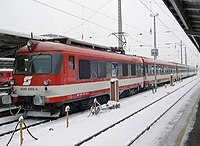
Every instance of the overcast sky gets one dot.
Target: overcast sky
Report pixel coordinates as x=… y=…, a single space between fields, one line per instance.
x=96 y=20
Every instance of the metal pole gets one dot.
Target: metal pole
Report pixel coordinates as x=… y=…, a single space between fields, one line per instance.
x=120 y=25
x=185 y=56
x=155 y=47
x=181 y=53
x=154 y=22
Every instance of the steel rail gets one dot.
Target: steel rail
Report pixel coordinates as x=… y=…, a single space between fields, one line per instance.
x=129 y=116
x=8 y=122
x=31 y=125
x=150 y=125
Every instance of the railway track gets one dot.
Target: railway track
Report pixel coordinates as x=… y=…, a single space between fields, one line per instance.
x=8 y=127
x=101 y=132
x=8 y=122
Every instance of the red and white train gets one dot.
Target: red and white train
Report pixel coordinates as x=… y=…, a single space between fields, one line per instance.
x=5 y=76
x=47 y=76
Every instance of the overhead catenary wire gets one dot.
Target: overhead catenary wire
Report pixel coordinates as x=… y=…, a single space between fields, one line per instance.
x=79 y=17
x=70 y=14
x=151 y=11
x=160 y=20
x=95 y=12
x=167 y=15
x=102 y=14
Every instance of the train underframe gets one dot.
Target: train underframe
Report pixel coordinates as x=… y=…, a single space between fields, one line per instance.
x=58 y=109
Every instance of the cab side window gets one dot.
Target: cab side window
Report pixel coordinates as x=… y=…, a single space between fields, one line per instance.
x=84 y=69
x=71 y=63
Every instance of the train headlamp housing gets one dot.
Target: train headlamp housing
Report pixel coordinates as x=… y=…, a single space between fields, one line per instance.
x=12 y=82
x=46 y=82
x=39 y=100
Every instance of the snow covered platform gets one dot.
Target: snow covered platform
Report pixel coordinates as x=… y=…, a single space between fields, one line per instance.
x=193 y=137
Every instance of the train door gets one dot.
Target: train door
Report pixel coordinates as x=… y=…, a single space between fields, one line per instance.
x=71 y=74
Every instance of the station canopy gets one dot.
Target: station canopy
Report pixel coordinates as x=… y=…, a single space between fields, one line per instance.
x=187 y=13
x=10 y=41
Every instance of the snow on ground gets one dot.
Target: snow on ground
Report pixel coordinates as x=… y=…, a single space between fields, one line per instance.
x=81 y=126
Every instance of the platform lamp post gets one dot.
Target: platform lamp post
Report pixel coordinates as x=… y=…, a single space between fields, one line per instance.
x=154 y=51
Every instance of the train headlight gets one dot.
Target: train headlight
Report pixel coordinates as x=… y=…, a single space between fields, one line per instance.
x=38 y=100
x=12 y=82
x=46 y=82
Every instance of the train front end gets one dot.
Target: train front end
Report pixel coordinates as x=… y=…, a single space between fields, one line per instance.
x=37 y=71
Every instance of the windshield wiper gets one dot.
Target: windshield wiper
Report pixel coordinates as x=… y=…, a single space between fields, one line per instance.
x=35 y=57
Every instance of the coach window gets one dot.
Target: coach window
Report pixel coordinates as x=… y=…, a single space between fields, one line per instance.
x=93 y=69
x=133 y=70
x=101 y=69
x=146 y=69
x=142 y=69
x=1 y=74
x=129 y=69
x=160 y=69
x=108 y=69
x=157 y=69
x=164 y=69
x=57 y=63
x=151 y=70
x=114 y=69
x=119 y=69
x=138 y=70
x=71 y=63
x=125 y=69
x=84 y=69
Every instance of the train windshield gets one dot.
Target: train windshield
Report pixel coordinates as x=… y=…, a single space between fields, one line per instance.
x=38 y=64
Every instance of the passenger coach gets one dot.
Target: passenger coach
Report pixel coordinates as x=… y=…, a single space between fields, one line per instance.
x=47 y=76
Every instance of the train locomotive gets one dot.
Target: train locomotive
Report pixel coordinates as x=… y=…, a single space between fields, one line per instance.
x=47 y=76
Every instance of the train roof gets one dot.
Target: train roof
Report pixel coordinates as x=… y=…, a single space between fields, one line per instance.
x=45 y=47
x=181 y=65
x=158 y=62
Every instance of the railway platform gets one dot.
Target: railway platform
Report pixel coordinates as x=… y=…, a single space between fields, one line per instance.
x=193 y=138
x=186 y=131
